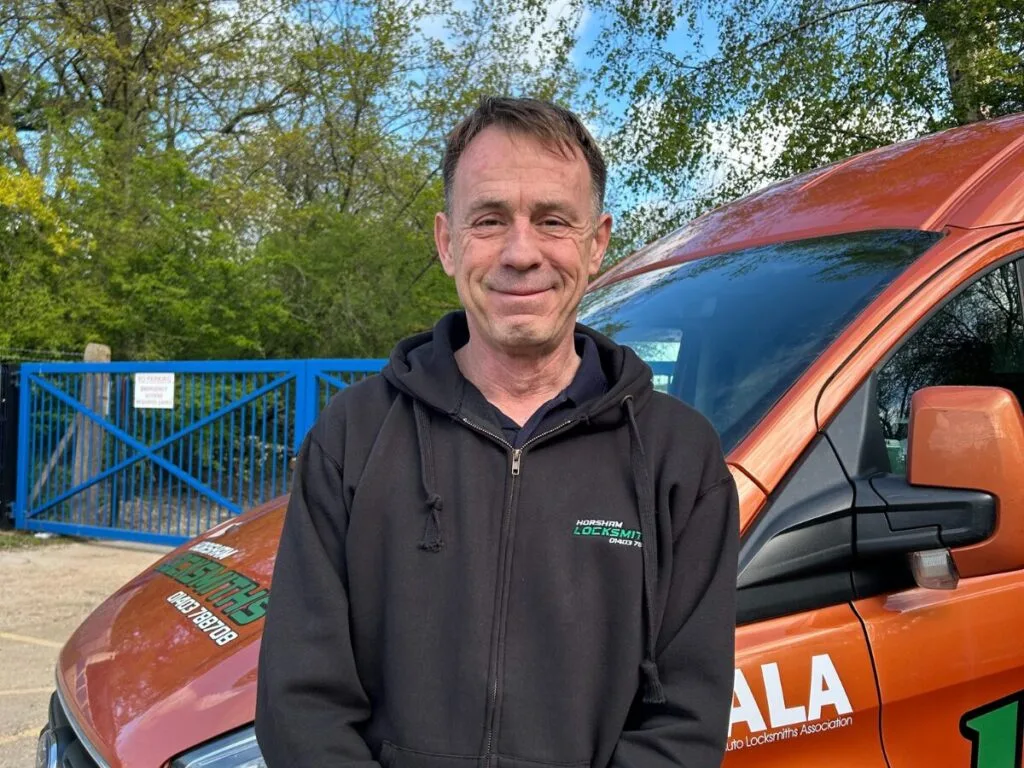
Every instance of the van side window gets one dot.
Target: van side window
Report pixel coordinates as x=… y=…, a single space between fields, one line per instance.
x=977 y=338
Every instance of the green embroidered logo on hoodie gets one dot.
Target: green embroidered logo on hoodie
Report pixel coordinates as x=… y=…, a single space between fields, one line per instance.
x=611 y=530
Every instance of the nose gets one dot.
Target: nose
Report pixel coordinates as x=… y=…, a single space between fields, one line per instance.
x=521 y=250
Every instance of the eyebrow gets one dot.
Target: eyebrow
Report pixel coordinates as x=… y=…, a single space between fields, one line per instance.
x=556 y=206
x=487 y=204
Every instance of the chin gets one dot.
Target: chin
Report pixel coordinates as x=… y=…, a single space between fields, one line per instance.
x=522 y=336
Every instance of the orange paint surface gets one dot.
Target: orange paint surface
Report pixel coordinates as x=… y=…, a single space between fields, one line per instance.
x=779 y=656
x=939 y=654
x=974 y=438
x=146 y=683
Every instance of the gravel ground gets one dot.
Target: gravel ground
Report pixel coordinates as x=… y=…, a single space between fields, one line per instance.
x=46 y=589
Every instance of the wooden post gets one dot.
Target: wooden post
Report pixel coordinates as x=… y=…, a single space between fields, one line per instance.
x=90 y=438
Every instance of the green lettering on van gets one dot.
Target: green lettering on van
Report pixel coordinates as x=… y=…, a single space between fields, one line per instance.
x=250 y=612
x=995 y=731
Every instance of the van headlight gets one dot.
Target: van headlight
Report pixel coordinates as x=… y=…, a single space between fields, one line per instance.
x=236 y=750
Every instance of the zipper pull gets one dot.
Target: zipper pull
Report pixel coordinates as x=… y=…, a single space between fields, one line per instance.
x=517 y=455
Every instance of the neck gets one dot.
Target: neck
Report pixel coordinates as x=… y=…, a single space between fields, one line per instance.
x=518 y=384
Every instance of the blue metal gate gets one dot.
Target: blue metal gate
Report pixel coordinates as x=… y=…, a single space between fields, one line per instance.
x=159 y=452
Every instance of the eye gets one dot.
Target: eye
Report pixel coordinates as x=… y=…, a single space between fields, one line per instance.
x=553 y=225
x=488 y=222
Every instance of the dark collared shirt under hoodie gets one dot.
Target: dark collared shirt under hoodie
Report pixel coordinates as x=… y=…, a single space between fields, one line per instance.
x=588 y=383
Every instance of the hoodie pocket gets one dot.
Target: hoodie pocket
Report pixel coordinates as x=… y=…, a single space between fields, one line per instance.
x=503 y=761
x=393 y=756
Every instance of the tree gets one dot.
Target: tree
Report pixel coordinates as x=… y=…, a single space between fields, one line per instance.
x=761 y=90
x=352 y=255
x=243 y=178
x=104 y=105
x=34 y=245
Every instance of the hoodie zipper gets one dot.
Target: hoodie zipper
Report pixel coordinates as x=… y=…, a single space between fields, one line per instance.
x=503 y=557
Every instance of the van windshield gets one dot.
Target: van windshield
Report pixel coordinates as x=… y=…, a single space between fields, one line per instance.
x=730 y=334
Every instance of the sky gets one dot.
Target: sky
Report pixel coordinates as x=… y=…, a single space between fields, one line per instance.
x=679 y=42
x=588 y=30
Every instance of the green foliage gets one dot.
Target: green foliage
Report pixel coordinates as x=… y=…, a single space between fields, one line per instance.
x=12 y=540
x=763 y=90
x=258 y=178
x=335 y=303
x=34 y=245
x=197 y=179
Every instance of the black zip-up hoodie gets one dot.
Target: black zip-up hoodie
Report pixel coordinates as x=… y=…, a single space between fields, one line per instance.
x=441 y=600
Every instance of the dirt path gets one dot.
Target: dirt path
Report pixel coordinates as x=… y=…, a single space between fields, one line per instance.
x=45 y=592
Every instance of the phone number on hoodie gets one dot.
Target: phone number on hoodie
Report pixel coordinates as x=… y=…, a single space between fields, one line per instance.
x=218 y=631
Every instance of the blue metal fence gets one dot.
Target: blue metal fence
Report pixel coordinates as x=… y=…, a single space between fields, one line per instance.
x=101 y=455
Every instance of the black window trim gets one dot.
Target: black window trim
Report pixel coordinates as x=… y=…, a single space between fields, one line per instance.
x=934 y=276
x=817 y=474
x=1016 y=258
x=763 y=601
x=1020 y=277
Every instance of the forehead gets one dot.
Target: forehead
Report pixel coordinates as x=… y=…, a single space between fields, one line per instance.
x=504 y=165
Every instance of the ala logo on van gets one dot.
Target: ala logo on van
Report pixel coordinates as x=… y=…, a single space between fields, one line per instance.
x=778 y=719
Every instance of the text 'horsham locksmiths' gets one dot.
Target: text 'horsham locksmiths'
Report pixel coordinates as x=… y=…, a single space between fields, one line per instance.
x=216 y=599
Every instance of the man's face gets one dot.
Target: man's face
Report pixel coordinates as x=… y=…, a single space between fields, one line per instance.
x=521 y=240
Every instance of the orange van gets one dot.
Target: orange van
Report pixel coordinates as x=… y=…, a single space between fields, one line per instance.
x=856 y=335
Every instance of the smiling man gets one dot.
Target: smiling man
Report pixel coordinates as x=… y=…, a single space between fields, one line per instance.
x=508 y=550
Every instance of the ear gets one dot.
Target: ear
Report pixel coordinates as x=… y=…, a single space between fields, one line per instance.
x=602 y=236
x=443 y=241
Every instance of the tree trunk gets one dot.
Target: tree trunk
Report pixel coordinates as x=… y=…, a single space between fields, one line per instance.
x=965 y=43
x=119 y=94
x=963 y=83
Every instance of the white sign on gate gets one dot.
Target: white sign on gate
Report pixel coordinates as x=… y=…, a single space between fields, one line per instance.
x=154 y=390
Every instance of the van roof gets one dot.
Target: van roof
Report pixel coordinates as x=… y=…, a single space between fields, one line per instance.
x=967 y=177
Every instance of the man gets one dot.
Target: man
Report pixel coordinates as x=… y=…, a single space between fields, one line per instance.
x=507 y=551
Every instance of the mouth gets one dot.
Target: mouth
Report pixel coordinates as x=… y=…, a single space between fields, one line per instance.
x=520 y=292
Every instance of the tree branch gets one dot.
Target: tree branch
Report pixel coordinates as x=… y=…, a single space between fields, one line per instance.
x=419 y=189
x=15 y=150
x=816 y=21
x=673 y=60
x=263 y=108
x=433 y=260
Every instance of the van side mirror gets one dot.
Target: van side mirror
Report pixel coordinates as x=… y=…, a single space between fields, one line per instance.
x=973 y=438
x=849 y=527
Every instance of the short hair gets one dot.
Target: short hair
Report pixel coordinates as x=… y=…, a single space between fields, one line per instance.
x=552 y=125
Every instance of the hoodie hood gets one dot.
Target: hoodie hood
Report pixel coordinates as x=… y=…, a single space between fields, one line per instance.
x=424 y=368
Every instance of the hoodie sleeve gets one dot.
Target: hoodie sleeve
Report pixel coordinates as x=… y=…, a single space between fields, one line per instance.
x=696 y=643
x=309 y=699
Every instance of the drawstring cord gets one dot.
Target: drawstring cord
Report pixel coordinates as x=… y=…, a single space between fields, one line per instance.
x=432 y=540
x=654 y=693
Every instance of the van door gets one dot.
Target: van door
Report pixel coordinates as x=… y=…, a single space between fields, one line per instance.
x=804 y=691
x=950 y=663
